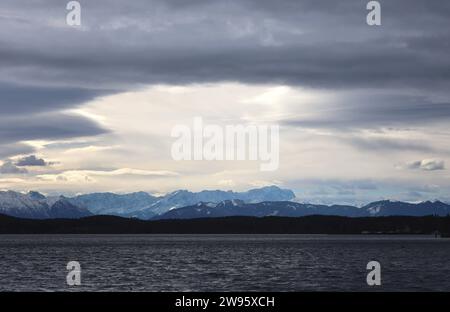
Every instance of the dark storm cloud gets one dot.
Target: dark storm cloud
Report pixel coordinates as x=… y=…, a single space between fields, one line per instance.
x=7 y=150
x=47 y=66
x=31 y=160
x=19 y=99
x=46 y=127
x=308 y=43
x=372 y=63
x=374 y=110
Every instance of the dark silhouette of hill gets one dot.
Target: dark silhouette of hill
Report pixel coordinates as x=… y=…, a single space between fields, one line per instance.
x=228 y=225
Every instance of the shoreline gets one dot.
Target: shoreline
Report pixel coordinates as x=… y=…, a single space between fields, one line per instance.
x=316 y=224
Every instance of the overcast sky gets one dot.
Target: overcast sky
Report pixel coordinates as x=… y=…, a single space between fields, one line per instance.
x=363 y=110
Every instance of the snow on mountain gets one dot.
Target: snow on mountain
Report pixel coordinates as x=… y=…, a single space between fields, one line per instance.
x=23 y=205
x=36 y=206
x=63 y=208
x=139 y=205
x=183 y=198
x=398 y=208
x=126 y=205
x=230 y=208
x=266 y=201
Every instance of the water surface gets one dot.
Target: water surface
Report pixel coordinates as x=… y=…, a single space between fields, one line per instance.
x=223 y=262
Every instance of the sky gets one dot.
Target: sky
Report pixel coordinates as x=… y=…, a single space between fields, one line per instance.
x=363 y=110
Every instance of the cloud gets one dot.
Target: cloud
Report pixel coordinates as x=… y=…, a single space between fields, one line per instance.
x=427 y=164
x=49 y=67
x=47 y=127
x=309 y=43
x=363 y=110
x=388 y=144
x=30 y=113
x=128 y=171
x=9 y=168
x=18 y=98
x=360 y=78
x=80 y=175
x=7 y=150
x=31 y=160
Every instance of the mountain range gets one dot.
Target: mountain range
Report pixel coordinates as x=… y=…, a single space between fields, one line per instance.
x=292 y=209
x=134 y=205
x=34 y=205
x=144 y=206
x=183 y=204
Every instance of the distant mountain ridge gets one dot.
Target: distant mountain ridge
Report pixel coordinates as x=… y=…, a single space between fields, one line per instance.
x=389 y=208
x=34 y=205
x=127 y=205
x=136 y=205
x=183 y=204
x=183 y=198
x=292 y=209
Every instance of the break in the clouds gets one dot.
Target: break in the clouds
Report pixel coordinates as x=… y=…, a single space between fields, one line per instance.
x=353 y=101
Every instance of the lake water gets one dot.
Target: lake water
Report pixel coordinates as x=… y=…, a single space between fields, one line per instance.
x=223 y=262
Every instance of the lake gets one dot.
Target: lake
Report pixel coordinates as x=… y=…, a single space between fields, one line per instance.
x=224 y=262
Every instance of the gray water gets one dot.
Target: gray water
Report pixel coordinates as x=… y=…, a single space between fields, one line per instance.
x=223 y=262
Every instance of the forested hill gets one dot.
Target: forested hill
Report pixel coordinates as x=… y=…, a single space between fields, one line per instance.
x=229 y=225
